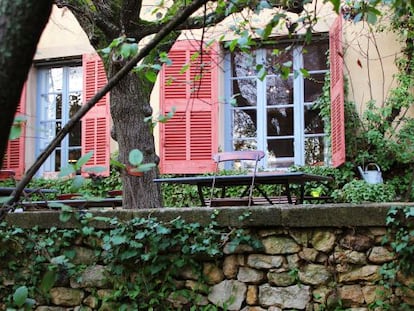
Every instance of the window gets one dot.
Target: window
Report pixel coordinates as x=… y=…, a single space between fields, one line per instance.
x=276 y=114
x=59 y=98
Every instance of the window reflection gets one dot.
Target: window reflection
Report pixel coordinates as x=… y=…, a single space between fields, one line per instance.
x=61 y=98
x=244 y=124
x=277 y=112
x=314 y=150
x=279 y=121
x=279 y=91
x=313 y=86
x=314 y=56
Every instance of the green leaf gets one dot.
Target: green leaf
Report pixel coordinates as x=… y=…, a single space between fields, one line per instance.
x=184 y=68
x=116 y=163
x=336 y=4
x=20 y=296
x=145 y=167
x=135 y=157
x=151 y=76
x=117 y=240
x=84 y=159
x=371 y=17
x=65 y=216
x=77 y=182
x=48 y=281
x=261 y=71
x=67 y=170
x=5 y=199
x=15 y=132
x=194 y=56
x=94 y=169
x=105 y=51
x=305 y=73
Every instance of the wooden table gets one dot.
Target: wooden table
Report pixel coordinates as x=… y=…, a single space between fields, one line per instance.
x=78 y=203
x=6 y=191
x=262 y=178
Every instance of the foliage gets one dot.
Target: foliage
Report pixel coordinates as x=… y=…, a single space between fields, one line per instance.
x=400 y=220
x=161 y=251
x=359 y=191
x=400 y=233
x=17 y=127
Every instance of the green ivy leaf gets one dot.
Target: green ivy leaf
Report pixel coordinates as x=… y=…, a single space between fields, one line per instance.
x=118 y=240
x=20 y=296
x=48 y=281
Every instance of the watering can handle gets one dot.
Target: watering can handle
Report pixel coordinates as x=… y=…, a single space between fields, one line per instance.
x=373 y=164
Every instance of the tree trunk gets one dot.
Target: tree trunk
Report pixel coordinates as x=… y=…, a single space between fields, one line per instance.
x=21 y=24
x=130 y=104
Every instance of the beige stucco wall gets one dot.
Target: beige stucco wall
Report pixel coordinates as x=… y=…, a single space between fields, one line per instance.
x=63 y=37
x=369 y=62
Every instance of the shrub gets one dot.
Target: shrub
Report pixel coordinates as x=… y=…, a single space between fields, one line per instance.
x=358 y=191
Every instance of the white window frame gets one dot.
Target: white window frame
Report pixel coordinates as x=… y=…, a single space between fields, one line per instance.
x=42 y=116
x=298 y=106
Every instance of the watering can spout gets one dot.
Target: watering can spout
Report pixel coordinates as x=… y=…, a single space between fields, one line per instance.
x=361 y=171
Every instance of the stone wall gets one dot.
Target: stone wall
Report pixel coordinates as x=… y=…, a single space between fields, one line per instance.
x=314 y=257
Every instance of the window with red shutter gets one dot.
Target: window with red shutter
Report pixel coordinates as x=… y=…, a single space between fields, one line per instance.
x=337 y=94
x=14 y=159
x=96 y=123
x=189 y=85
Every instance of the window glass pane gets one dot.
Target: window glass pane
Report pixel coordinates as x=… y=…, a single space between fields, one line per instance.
x=75 y=79
x=74 y=155
x=60 y=98
x=280 y=152
x=279 y=91
x=313 y=122
x=280 y=121
x=58 y=161
x=243 y=144
x=58 y=106
x=279 y=57
x=74 y=105
x=244 y=123
x=55 y=80
x=243 y=64
x=313 y=86
x=245 y=92
x=314 y=150
x=314 y=56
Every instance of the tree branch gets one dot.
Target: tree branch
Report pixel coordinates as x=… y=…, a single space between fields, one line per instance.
x=169 y=27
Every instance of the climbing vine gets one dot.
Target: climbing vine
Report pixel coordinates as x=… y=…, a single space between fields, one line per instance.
x=144 y=256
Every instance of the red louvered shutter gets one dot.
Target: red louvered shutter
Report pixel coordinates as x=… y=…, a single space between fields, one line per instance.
x=96 y=123
x=189 y=86
x=337 y=93
x=14 y=159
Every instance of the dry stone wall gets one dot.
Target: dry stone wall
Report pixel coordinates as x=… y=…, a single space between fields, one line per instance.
x=311 y=266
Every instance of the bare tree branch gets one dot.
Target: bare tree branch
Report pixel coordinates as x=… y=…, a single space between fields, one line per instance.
x=169 y=27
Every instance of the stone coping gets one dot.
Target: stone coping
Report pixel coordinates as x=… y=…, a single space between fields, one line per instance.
x=284 y=215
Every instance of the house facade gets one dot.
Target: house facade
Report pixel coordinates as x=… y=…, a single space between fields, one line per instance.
x=222 y=102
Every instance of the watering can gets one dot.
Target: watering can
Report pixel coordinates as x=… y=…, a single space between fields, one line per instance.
x=371 y=176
